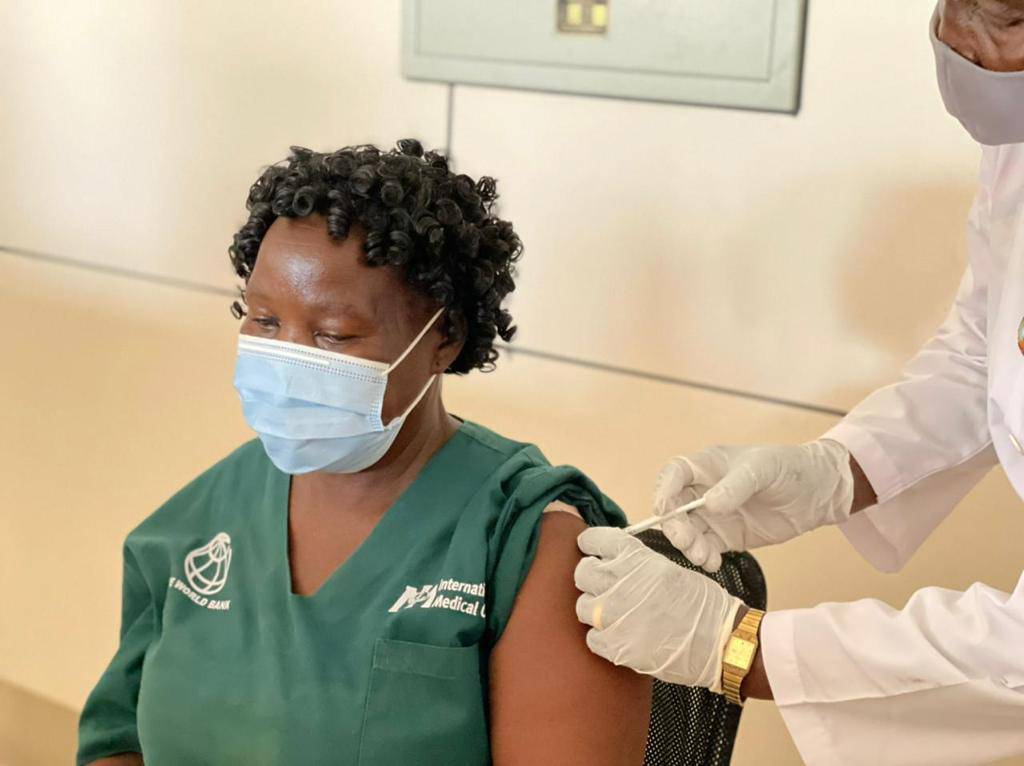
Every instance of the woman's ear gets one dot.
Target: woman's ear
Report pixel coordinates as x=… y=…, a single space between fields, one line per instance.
x=448 y=352
x=448 y=349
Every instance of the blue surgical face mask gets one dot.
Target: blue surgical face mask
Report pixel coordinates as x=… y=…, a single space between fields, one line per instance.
x=318 y=410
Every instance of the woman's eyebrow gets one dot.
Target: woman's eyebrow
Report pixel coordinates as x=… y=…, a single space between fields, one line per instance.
x=324 y=302
x=254 y=293
x=329 y=303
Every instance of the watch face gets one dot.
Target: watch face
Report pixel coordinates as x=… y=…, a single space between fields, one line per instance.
x=739 y=653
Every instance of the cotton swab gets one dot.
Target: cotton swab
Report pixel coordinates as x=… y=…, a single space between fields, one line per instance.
x=655 y=521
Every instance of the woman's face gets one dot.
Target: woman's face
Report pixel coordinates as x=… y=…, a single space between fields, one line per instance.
x=310 y=289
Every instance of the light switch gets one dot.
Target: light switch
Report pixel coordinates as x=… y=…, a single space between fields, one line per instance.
x=582 y=16
x=574 y=14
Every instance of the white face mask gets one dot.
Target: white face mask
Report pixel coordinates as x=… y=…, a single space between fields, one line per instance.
x=318 y=410
x=989 y=104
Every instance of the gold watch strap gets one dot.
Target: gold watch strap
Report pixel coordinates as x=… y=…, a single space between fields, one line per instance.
x=732 y=675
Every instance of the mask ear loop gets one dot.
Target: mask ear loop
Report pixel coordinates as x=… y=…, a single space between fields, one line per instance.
x=417 y=400
x=415 y=340
x=430 y=381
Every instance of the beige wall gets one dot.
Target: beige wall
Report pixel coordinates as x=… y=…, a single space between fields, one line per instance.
x=740 y=248
x=801 y=257
x=132 y=130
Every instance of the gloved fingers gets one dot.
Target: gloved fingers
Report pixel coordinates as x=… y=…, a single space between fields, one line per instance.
x=606 y=542
x=689 y=535
x=708 y=466
x=716 y=547
x=673 y=478
x=588 y=611
x=598 y=644
x=698 y=552
x=593 y=575
x=599 y=612
x=740 y=484
x=681 y=532
x=682 y=497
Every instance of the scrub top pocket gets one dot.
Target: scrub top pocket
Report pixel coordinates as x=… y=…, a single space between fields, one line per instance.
x=425 y=705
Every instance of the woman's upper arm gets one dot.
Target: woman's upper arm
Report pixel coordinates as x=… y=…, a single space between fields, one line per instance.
x=552 y=700
x=124 y=759
x=108 y=722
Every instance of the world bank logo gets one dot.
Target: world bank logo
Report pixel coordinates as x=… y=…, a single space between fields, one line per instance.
x=207 y=567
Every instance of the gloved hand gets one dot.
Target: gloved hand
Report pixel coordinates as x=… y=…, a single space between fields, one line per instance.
x=650 y=614
x=754 y=496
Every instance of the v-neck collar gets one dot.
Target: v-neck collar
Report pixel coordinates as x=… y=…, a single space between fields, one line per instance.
x=337 y=579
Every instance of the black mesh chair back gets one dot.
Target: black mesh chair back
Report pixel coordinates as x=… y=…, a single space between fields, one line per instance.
x=690 y=726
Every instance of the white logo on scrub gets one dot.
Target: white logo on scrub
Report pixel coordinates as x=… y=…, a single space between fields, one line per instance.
x=468 y=598
x=207 y=567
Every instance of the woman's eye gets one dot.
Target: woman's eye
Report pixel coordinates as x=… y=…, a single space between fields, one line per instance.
x=265 y=322
x=333 y=338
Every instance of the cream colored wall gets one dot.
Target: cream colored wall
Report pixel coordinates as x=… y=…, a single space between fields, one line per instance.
x=740 y=248
x=132 y=130
x=801 y=258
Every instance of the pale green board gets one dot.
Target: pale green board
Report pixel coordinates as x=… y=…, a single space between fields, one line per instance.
x=733 y=53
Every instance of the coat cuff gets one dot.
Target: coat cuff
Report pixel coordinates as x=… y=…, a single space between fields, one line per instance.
x=888 y=534
x=865 y=530
x=877 y=466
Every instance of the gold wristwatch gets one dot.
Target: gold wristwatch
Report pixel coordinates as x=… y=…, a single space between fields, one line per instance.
x=740 y=651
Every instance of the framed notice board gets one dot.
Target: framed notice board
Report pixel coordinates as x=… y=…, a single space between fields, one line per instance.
x=745 y=54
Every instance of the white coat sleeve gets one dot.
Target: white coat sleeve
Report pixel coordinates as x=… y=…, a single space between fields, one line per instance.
x=924 y=441
x=938 y=682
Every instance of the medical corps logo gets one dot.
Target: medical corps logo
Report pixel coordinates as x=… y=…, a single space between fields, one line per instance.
x=206 y=569
x=453 y=595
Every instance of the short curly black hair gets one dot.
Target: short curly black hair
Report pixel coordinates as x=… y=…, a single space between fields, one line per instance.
x=437 y=226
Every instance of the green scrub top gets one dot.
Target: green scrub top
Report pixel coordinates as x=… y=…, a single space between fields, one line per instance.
x=387 y=663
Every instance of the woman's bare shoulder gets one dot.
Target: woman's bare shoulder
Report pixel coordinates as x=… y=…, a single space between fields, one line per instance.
x=577 y=707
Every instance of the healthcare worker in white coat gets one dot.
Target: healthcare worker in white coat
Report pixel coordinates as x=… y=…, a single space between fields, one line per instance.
x=940 y=681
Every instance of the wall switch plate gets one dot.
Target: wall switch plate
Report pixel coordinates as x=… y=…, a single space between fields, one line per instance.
x=746 y=54
x=583 y=16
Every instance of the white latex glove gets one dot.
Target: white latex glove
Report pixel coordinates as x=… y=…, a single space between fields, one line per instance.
x=650 y=614
x=754 y=496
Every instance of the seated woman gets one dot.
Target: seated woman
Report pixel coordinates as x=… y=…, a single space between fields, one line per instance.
x=374 y=581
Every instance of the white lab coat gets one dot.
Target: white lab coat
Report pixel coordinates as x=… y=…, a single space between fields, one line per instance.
x=942 y=680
